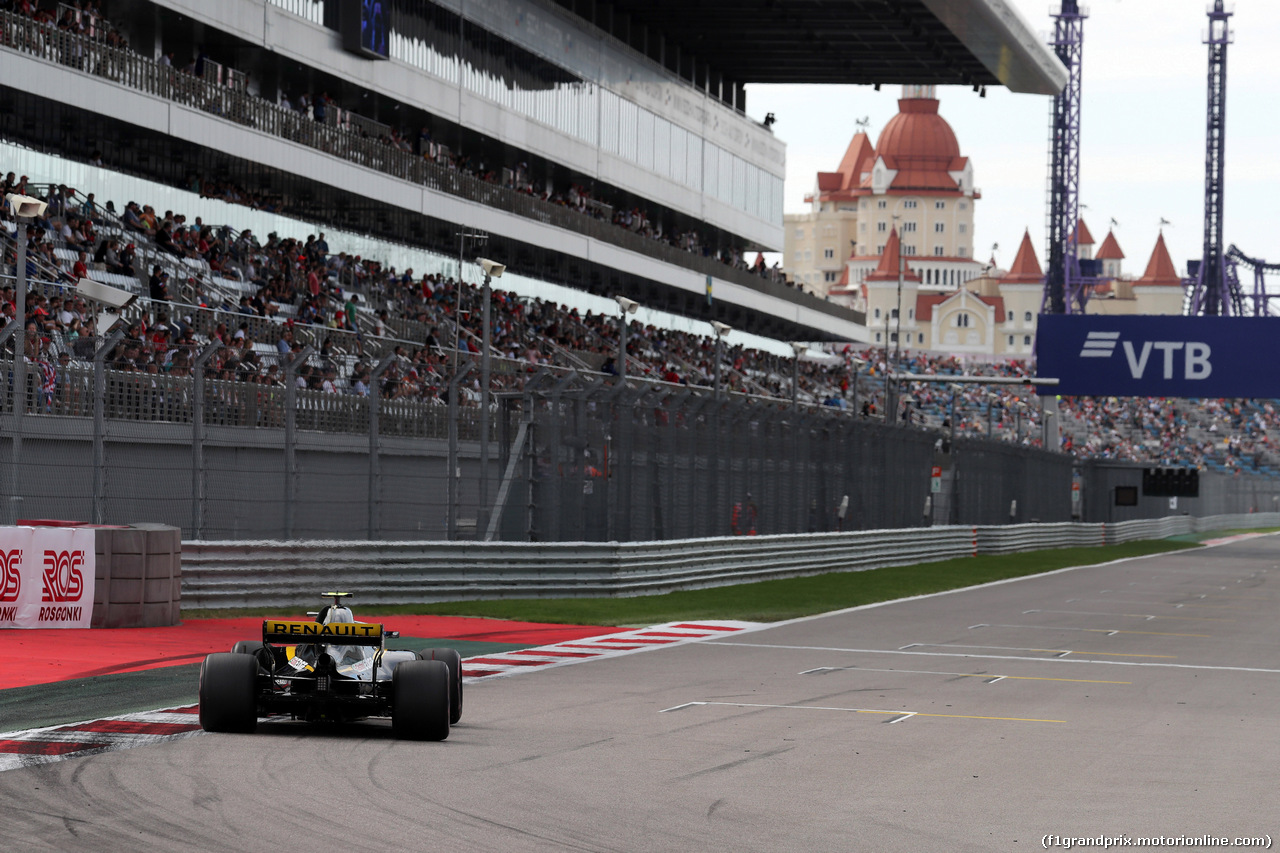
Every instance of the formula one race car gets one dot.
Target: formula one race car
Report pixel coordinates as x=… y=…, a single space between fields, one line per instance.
x=331 y=669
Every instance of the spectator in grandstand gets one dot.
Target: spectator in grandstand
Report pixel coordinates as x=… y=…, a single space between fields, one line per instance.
x=132 y=217
x=158 y=284
x=127 y=260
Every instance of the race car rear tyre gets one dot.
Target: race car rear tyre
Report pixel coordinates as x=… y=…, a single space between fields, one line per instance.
x=454 y=660
x=228 y=693
x=420 y=700
x=246 y=647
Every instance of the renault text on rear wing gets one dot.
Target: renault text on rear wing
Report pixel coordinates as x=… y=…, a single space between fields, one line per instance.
x=292 y=632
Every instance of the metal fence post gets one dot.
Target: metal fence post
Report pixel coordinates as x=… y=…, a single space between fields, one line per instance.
x=555 y=446
x=482 y=512
x=953 y=512
x=290 y=426
x=19 y=370
x=99 y=425
x=197 y=441
x=8 y=332
x=375 y=468
x=451 y=523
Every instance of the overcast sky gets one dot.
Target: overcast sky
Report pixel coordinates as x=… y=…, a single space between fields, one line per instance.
x=1142 y=132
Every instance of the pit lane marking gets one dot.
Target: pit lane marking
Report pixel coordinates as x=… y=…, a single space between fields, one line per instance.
x=1110 y=632
x=1147 y=616
x=1174 y=604
x=1054 y=652
x=991 y=678
x=905 y=651
x=896 y=716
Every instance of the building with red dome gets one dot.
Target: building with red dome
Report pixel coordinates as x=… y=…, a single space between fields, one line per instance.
x=913 y=180
x=996 y=312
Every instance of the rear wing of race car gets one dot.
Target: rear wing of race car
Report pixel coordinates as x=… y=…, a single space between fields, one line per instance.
x=292 y=632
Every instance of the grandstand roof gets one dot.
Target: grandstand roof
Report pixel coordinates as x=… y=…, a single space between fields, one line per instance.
x=965 y=42
x=1026 y=267
x=1160 y=269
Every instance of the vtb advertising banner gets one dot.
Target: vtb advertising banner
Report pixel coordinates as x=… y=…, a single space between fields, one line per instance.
x=1159 y=356
x=46 y=577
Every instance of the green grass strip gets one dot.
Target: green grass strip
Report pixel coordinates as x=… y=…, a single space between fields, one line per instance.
x=769 y=601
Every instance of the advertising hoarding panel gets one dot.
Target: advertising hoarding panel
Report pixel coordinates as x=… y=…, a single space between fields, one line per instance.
x=1159 y=356
x=46 y=577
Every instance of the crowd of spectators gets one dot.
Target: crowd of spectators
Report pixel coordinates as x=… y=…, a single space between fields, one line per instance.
x=302 y=290
x=85 y=17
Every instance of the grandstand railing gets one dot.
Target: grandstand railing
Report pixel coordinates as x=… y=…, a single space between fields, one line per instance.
x=340 y=135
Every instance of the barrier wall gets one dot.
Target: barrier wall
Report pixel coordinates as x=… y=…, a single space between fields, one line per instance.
x=280 y=574
x=56 y=574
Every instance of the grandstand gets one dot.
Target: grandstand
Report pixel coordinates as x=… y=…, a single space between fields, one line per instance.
x=186 y=152
x=267 y=299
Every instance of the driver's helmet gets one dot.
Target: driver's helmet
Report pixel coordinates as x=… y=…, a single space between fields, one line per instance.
x=341 y=654
x=338 y=613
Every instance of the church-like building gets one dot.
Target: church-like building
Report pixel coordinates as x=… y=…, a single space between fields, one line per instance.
x=914 y=179
x=995 y=313
x=890 y=233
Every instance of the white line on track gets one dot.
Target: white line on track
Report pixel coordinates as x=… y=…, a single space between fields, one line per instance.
x=897 y=716
x=1208 y=667
x=989 y=678
x=1176 y=605
x=1055 y=652
x=1147 y=616
x=1109 y=632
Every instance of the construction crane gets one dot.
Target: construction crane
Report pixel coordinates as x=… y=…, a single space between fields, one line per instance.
x=1065 y=291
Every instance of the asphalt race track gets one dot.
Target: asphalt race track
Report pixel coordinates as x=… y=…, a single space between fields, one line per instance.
x=1138 y=699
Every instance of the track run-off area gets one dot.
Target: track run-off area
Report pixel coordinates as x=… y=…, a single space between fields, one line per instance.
x=1130 y=700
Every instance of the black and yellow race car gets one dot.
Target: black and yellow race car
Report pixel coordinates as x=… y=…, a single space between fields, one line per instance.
x=331 y=669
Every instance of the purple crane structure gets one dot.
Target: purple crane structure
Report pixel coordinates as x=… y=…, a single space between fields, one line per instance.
x=1065 y=290
x=1213 y=293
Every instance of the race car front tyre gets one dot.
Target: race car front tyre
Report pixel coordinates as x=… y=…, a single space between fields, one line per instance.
x=420 y=700
x=454 y=660
x=228 y=693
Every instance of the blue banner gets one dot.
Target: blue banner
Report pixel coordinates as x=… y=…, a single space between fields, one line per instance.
x=1159 y=356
